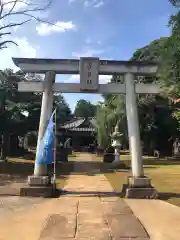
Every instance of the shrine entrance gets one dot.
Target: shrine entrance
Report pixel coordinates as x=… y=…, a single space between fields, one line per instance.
x=89 y=70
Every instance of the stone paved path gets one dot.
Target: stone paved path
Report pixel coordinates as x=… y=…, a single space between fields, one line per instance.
x=88 y=210
x=91 y=210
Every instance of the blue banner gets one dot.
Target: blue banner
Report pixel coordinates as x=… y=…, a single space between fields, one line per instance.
x=45 y=153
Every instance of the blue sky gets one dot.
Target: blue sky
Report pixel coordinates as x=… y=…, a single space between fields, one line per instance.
x=108 y=29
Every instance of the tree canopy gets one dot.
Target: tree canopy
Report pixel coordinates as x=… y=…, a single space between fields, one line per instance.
x=84 y=109
x=20 y=111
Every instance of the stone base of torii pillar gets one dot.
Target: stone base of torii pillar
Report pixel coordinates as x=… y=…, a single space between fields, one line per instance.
x=38 y=186
x=139 y=187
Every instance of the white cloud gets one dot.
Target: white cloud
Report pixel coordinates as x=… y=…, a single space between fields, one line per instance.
x=87 y=3
x=90 y=52
x=74 y=78
x=20 y=6
x=24 y=49
x=99 y=4
x=9 y=4
x=105 y=78
x=16 y=28
x=71 y=1
x=88 y=40
x=26 y=4
x=102 y=78
x=90 y=3
x=44 y=29
x=93 y=3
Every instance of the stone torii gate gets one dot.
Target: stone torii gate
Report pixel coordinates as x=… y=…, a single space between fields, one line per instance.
x=89 y=69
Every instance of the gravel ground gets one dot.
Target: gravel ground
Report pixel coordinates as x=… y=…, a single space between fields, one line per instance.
x=10 y=205
x=10 y=201
x=14 y=204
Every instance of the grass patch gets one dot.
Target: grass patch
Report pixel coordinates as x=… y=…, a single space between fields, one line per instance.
x=20 y=160
x=123 y=157
x=73 y=154
x=165 y=175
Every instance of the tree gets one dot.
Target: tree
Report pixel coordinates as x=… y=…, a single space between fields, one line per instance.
x=20 y=111
x=13 y=122
x=109 y=113
x=169 y=71
x=63 y=111
x=151 y=52
x=26 y=10
x=85 y=109
x=175 y=3
x=156 y=113
x=102 y=131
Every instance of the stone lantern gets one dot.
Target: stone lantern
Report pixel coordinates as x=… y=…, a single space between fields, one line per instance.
x=116 y=143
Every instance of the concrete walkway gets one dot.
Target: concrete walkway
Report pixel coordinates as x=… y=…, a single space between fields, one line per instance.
x=161 y=219
x=84 y=213
x=91 y=210
x=95 y=212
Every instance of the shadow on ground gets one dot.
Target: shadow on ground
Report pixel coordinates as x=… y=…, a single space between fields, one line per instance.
x=91 y=194
x=167 y=195
x=96 y=167
x=156 y=162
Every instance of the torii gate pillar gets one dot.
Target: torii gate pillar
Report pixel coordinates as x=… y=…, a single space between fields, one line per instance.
x=133 y=126
x=40 y=182
x=138 y=186
x=46 y=111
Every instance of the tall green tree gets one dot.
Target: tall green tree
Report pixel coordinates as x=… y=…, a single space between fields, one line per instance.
x=20 y=111
x=156 y=113
x=85 y=109
x=109 y=113
x=11 y=110
x=169 y=71
x=63 y=110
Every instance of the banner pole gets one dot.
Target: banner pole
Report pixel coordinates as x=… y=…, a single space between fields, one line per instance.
x=55 y=143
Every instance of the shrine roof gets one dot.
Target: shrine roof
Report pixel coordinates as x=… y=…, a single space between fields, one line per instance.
x=80 y=124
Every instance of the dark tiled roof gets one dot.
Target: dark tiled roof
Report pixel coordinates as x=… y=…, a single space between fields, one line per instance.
x=82 y=129
x=80 y=124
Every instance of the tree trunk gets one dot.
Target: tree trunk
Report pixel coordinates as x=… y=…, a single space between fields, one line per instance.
x=4 y=146
x=14 y=149
x=4 y=136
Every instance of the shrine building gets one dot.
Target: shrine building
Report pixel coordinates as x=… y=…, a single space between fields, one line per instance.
x=80 y=130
